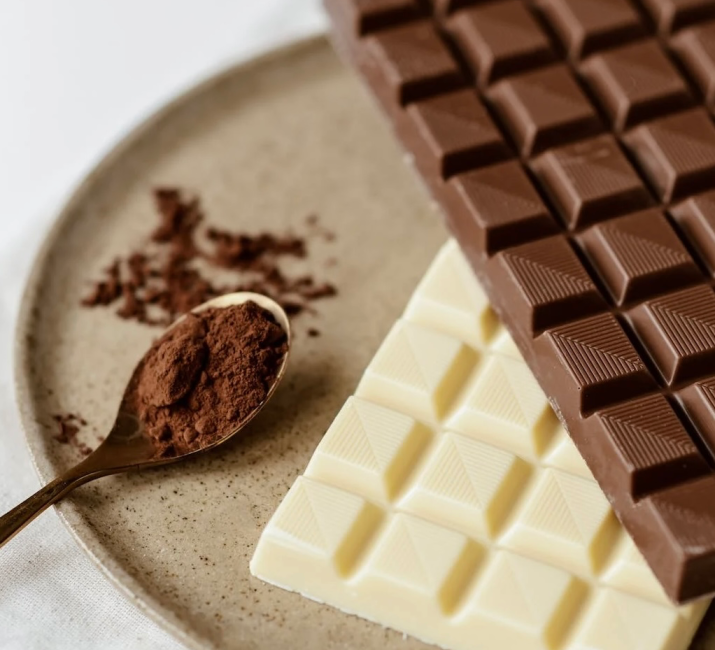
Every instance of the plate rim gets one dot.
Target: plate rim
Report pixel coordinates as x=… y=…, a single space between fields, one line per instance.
x=66 y=510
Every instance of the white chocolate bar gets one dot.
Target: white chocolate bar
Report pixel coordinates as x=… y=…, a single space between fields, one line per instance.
x=447 y=502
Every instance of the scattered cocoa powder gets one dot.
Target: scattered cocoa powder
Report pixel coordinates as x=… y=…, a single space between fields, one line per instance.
x=69 y=426
x=167 y=276
x=202 y=379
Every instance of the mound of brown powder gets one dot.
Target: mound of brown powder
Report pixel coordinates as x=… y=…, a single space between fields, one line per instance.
x=170 y=274
x=206 y=375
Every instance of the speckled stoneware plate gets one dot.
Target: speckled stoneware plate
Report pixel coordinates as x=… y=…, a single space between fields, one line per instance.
x=265 y=145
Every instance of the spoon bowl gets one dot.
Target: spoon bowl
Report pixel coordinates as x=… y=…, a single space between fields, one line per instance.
x=127 y=446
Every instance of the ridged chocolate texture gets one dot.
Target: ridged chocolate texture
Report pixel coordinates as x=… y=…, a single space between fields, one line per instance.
x=638 y=256
x=598 y=366
x=698 y=400
x=590 y=181
x=643 y=446
x=545 y=284
x=596 y=249
x=678 y=331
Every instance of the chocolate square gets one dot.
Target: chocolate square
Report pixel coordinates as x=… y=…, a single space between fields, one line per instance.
x=678 y=331
x=454 y=133
x=585 y=26
x=590 y=181
x=670 y=15
x=639 y=256
x=411 y=63
x=544 y=108
x=644 y=446
x=546 y=284
x=695 y=218
x=635 y=82
x=597 y=365
x=367 y=16
x=695 y=47
x=501 y=206
x=500 y=39
x=676 y=153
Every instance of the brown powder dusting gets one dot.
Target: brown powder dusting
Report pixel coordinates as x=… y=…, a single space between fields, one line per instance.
x=69 y=425
x=106 y=291
x=206 y=375
x=241 y=251
x=168 y=275
x=314 y=222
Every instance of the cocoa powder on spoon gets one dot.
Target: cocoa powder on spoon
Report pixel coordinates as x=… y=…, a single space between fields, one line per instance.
x=201 y=379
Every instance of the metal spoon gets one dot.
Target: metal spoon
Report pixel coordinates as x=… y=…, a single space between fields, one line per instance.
x=127 y=447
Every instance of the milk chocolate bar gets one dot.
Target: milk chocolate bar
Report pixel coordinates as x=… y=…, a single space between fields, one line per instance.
x=446 y=500
x=572 y=151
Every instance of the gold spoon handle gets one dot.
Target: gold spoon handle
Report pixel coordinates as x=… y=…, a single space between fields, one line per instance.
x=14 y=521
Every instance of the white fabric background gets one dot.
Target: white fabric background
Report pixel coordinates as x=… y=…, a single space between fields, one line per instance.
x=74 y=76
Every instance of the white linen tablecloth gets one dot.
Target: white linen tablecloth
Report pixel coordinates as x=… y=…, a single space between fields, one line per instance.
x=75 y=76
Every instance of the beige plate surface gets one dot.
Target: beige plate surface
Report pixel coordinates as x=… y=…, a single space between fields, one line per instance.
x=265 y=144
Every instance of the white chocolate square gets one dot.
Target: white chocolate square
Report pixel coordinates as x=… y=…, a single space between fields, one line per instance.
x=418 y=371
x=317 y=534
x=449 y=299
x=468 y=485
x=528 y=604
x=506 y=407
x=566 y=521
x=619 y=621
x=369 y=449
x=424 y=567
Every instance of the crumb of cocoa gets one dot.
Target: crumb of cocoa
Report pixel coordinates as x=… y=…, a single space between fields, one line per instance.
x=69 y=426
x=179 y=220
x=241 y=251
x=313 y=333
x=132 y=307
x=106 y=291
x=293 y=308
x=164 y=277
x=84 y=449
x=321 y=291
x=139 y=270
x=314 y=222
x=206 y=375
